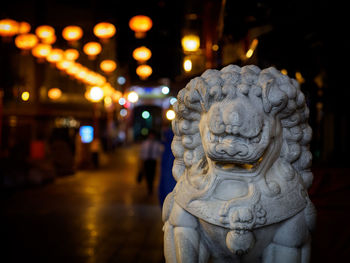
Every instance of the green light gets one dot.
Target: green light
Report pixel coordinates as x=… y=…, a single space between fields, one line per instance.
x=146 y=115
x=144 y=131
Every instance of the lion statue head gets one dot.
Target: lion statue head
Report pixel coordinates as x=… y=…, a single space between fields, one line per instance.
x=239 y=120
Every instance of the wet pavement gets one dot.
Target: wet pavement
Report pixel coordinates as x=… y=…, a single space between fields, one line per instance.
x=105 y=216
x=100 y=216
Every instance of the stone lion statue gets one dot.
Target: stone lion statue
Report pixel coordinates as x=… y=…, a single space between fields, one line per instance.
x=242 y=165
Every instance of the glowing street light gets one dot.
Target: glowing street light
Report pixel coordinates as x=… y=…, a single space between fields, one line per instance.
x=133 y=97
x=25 y=96
x=123 y=112
x=54 y=93
x=187 y=65
x=96 y=94
x=165 y=90
x=122 y=101
x=145 y=115
x=170 y=115
x=190 y=43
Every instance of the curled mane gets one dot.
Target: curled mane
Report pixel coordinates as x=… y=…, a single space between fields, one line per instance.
x=280 y=97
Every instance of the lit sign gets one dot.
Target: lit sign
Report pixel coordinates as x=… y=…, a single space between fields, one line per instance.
x=86 y=134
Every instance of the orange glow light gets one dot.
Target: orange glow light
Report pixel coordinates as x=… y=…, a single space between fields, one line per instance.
x=45 y=32
x=140 y=24
x=142 y=54
x=23 y=28
x=96 y=94
x=73 y=69
x=55 y=55
x=71 y=54
x=26 y=41
x=144 y=71
x=104 y=30
x=190 y=43
x=41 y=50
x=108 y=66
x=54 y=93
x=92 y=49
x=50 y=40
x=64 y=64
x=82 y=73
x=116 y=95
x=8 y=27
x=72 y=33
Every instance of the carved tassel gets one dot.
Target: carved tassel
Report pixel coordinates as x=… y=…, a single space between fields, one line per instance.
x=240 y=242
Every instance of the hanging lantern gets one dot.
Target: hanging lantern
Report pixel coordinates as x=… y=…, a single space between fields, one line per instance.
x=82 y=73
x=41 y=50
x=45 y=32
x=140 y=24
x=26 y=41
x=104 y=30
x=55 y=55
x=73 y=69
x=144 y=71
x=190 y=43
x=108 y=66
x=8 y=27
x=23 y=28
x=72 y=33
x=64 y=64
x=50 y=40
x=54 y=93
x=100 y=80
x=71 y=54
x=142 y=54
x=92 y=49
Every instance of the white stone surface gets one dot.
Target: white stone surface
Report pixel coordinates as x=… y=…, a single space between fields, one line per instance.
x=242 y=165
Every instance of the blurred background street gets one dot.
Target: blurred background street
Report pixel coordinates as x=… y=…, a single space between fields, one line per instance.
x=94 y=216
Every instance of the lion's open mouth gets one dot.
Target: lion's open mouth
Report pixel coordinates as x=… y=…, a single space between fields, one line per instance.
x=238 y=167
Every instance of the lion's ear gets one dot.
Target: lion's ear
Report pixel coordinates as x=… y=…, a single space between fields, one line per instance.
x=202 y=91
x=274 y=99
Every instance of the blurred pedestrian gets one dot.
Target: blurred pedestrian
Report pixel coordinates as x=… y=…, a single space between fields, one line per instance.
x=151 y=150
x=95 y=149
x=167 y=181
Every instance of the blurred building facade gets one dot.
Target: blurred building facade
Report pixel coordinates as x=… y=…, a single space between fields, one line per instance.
x=296 y=37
